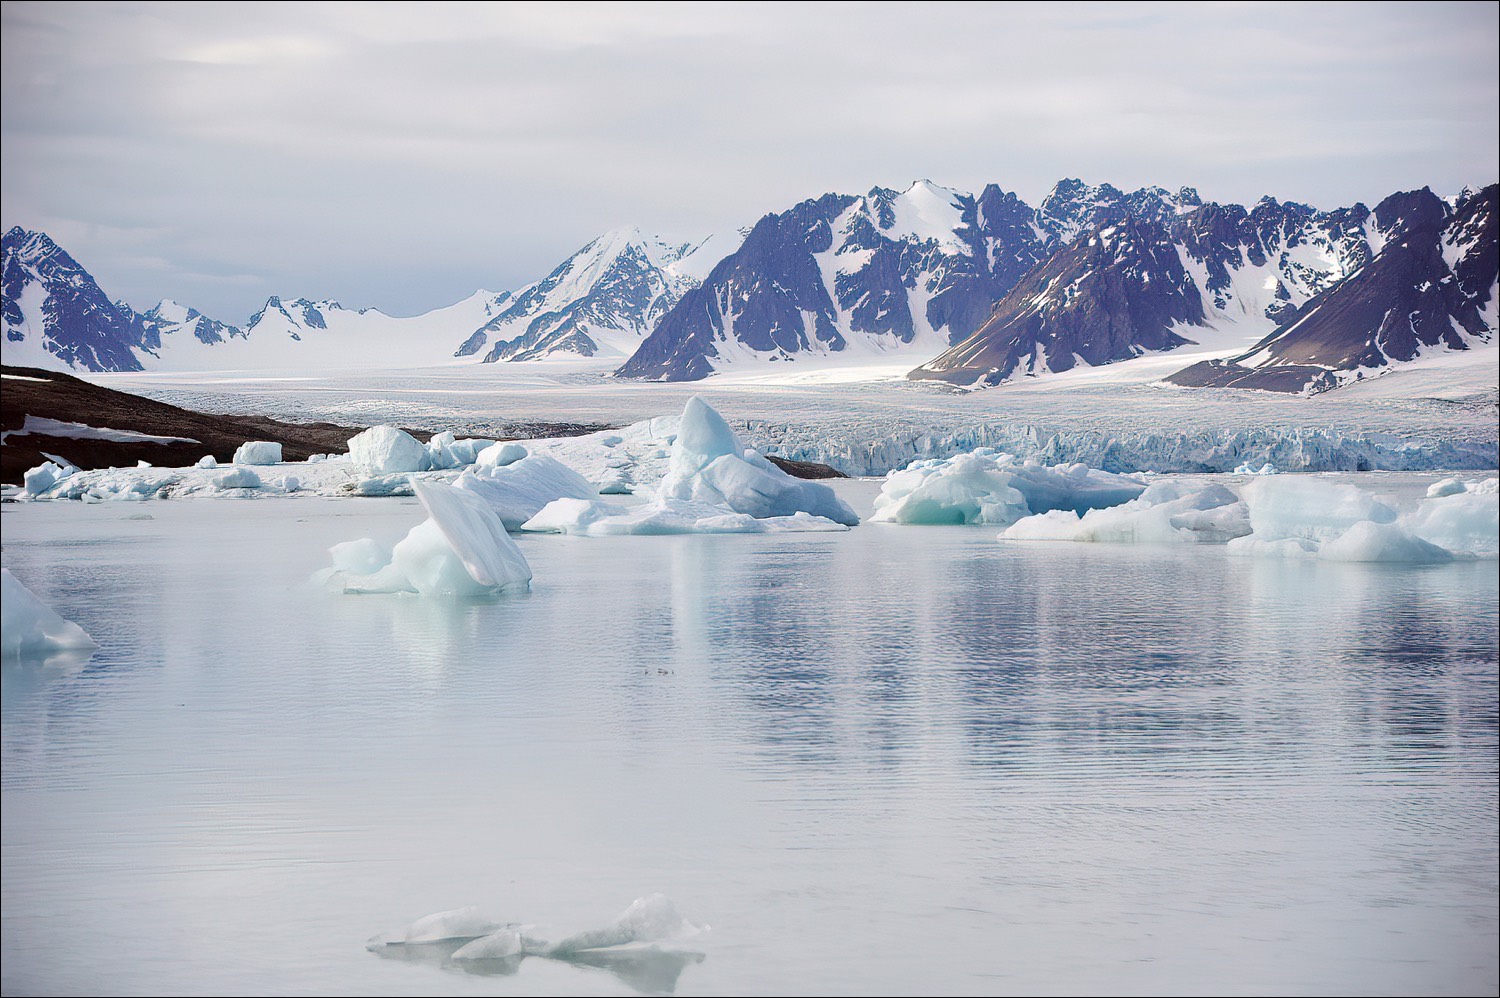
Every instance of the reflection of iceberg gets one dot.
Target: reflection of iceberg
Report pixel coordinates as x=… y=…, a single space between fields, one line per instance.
x=645 y=946
x=31 y=630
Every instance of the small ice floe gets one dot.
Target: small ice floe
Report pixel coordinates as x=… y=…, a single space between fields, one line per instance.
x=1465 y=523
x=43 y=477
x=461 y=549
x=1249 y=469
x=458 y=925
x=985 y=486
x=207 y=462
x=258 y=452
x=30 y=628
x=647 y=945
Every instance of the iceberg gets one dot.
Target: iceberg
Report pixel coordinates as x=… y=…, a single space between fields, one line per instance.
x=461 y=549
x=519 y=490
x=1306 y=509
x=385 y=450
x=709 y=465
x=652 y=919
x=985 y=486
x=1167 y=512
x=1382 y=542
x=1446 y=487
x=30 y=627
x=1463 y=522
x=258 y=452
x=207 y=462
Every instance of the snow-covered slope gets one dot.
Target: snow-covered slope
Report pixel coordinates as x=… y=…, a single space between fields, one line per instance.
x=323 y=335
x=602 y=300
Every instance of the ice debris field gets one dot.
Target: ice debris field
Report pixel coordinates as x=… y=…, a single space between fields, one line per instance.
x=693 y=474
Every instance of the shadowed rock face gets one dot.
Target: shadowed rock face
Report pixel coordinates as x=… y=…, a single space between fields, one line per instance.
x=1110 y=295
x=1429 y=286
x=79 y=324
x=891 y=266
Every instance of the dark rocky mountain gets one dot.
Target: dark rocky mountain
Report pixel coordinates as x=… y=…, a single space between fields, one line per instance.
x=913 y=271
x=1430 y=285
x=1114 y=292
x=53 y=308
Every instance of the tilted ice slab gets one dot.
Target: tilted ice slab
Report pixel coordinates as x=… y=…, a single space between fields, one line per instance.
x=1166 y=513
x=988 y=487
x=386 y=450
x=461 y=549
x=439 y=927
x=29 y=627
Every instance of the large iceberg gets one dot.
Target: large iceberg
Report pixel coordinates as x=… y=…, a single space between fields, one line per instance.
x=385 y=450
x=1305 y=509
x=461 y=549
x=710 y=465
x=518 y=490
x=985 y=486
x=1464 y=522
x=30 y=627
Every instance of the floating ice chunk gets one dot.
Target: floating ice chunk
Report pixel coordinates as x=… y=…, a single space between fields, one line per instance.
x=466 y=450
x=258 y=452
x=1309 y=509
x=969 y=488
x=517 y=491
x=498 y=455
x=43 y=477
x=1446 y=487
x=651 y=919
x=801 y=523
x=30 y=627
x=143 y=464
x=1266 y=469
x=504 y=944
x=442 y=926
x=208 y=462
x=709 y=465
x=1463 y=523
x=1370 y=541
x=385 y=450
x=1488 y=487
x=1069 y=486
x=237 y=478
x=365 y=556
x=1167 y=512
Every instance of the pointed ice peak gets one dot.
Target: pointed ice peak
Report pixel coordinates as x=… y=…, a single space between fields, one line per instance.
x=168 y=310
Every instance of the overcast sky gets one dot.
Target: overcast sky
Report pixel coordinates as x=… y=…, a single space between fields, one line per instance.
x=402 y=156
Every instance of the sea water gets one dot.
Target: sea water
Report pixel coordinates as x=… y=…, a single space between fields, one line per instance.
x=894 y=760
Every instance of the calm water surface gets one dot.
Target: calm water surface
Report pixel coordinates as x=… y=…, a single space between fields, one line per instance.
x=898 y=760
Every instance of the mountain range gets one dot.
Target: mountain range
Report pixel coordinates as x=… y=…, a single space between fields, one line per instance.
x=971 y=290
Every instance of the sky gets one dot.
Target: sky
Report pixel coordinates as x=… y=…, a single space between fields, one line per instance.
x=402 y=156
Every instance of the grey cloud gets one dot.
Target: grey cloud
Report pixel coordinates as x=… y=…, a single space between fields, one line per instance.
x=401 y=156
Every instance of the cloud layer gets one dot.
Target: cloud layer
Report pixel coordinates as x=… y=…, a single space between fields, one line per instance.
x=402 y=155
